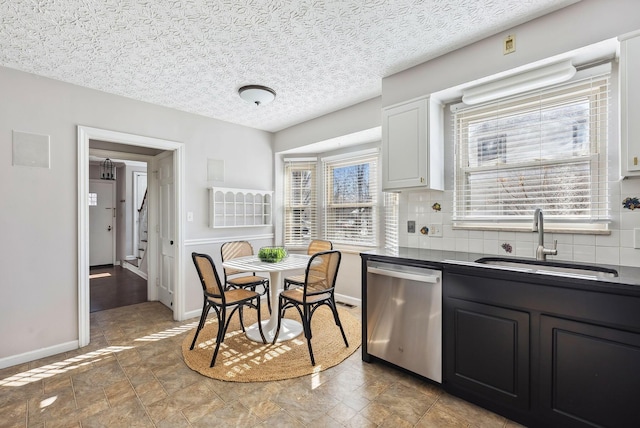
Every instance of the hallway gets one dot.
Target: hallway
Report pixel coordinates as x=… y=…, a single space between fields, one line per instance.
x=114 y=286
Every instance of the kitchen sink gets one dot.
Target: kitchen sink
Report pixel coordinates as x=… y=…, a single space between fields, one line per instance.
x=551 y=268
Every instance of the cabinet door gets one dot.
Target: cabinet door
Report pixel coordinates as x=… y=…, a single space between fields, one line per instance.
x=588 y=374
x=404 y=145
x=487 y=352
x=630 y=106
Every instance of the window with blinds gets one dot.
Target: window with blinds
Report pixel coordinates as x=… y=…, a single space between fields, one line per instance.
x=351 y=200
x=391 y=219
x=543 y=150
x=300 y=203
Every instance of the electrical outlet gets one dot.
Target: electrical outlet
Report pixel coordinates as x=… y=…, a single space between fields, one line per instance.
x=509 y=44
x=435 y=230
x=411 y=226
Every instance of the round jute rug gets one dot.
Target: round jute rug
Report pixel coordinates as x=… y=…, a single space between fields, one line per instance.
x=242 y=360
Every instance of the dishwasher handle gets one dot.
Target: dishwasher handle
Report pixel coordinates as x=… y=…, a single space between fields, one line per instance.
x=432 y=279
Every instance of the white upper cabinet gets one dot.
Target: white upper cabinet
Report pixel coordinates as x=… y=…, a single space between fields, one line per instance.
x=630 y=104
x=412 y=145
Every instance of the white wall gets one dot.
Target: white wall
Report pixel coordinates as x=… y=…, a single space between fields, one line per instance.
x=38 y=219
x=359 y=117
x=581 y=24
x=574 y=27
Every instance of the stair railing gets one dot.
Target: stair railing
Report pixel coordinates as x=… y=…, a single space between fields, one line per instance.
x=143 y=233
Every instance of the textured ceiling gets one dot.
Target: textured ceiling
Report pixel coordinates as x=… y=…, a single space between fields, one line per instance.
x=193 y=55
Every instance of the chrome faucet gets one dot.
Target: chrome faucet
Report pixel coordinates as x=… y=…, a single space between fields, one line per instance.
x=538 y=226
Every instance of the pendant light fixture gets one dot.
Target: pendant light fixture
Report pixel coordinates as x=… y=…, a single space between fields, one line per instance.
x=107 y=170
x=257 y=94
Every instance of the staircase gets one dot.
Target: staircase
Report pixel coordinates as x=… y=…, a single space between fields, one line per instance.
x=143 y=234
x=139 y=265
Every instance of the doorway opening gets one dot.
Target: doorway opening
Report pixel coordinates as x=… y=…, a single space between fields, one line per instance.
x=94 y=139
x=117 y=244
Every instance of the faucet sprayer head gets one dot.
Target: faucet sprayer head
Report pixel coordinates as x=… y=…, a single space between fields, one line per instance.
x=536 y=215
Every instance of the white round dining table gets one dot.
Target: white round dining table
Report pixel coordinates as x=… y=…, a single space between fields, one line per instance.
x=289 y=328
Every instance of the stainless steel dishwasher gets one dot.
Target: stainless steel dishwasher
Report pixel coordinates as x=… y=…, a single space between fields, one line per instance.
x=404 y=317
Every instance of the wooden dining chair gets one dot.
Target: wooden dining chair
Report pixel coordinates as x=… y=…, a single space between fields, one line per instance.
x=216 y=297
x=315 y=246
x=318 y=290
x=235 y=279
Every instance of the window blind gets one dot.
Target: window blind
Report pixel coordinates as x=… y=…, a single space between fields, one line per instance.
x=391 y=216
x=546 y=149
x=351 y=198
x=300 y=202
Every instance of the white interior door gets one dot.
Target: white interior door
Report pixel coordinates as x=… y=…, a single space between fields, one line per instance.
x=166 y=232
x=102 y=212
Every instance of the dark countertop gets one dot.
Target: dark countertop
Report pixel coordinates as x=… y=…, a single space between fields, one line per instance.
x=627 y=276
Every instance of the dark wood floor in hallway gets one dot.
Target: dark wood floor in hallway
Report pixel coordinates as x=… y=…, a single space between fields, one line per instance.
x=114 y=286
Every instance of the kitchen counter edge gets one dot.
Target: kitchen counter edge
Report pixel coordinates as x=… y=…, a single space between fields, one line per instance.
x=628 y=278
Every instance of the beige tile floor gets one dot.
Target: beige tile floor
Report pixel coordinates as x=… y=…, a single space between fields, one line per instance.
x=132 y=375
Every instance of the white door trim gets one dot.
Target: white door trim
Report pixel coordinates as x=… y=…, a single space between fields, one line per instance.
x=85 y=134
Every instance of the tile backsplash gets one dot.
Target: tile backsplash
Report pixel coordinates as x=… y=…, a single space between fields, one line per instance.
x=613 y=249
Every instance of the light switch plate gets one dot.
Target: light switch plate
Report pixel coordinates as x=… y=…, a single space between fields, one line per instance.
x=411 y=226
x=636 y=237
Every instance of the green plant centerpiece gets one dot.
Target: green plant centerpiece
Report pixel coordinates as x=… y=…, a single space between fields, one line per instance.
x=272 y=254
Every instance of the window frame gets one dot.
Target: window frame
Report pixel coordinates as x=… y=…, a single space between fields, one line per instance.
x=385 y=210
x=599 y=117
x=291 y=165
x=331 y=207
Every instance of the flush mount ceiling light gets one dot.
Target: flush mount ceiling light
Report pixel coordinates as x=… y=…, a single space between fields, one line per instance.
x=257 y=94
x=519 y=83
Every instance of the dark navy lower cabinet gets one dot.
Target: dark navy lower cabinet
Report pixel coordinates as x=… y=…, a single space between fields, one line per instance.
x=490 y=349
x=542 y=351
x=590 y=375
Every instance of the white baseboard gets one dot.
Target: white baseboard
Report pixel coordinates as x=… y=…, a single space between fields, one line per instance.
x=348 y=300
x=37 y=354
x=194 y=313
x=135 y=270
